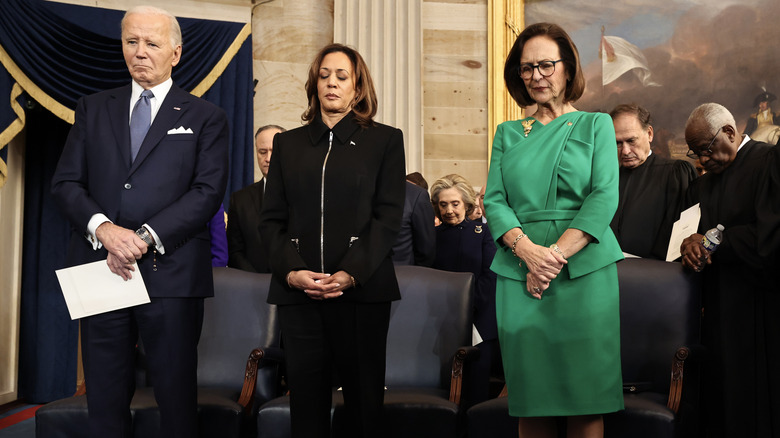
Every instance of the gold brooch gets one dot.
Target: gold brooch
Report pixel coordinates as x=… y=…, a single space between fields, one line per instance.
x=478 y=229
x=527 y=125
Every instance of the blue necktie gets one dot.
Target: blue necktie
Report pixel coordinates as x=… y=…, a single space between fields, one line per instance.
x=140 y=120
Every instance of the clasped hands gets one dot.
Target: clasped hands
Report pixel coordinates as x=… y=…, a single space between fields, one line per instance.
x=544 y=265
x=694 y=255
x=124 y=248
x=319 y=286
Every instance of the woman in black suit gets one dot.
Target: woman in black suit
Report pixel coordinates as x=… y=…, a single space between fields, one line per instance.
x=331 y=213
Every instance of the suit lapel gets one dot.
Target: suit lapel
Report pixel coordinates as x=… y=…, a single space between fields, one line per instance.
x=171 y=110
x=118 y=109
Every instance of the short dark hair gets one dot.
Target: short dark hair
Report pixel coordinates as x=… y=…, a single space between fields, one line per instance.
x=417 y=179
x=267 y=127
x=365 y=96
x=639 y=112
x=569 y=54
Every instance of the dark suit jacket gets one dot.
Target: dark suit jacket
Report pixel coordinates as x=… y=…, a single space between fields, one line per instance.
x=245 y=250
x=175 y=184
x=360 y=207
x=469 y=247
x=416 y=242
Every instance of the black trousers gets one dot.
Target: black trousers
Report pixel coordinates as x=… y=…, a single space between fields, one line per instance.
x=170 y=329
x=335 y=343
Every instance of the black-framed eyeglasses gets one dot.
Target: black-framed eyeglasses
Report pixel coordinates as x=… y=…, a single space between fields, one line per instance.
x=546 y=68
x=705 y=153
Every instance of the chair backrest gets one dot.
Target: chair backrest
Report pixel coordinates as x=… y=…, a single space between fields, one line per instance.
x=660 y=311
x=236 y=320
x=427 y=326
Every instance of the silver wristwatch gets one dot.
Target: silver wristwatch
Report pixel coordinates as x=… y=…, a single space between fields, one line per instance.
x=145 y=235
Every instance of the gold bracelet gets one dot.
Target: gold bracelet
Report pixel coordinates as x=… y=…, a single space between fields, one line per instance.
x=555 y=248
x=514 y=244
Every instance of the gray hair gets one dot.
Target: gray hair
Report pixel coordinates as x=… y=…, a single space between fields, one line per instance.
x=714 y=115
x=152 y=10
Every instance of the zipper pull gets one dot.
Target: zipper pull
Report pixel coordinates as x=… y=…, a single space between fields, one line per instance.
x=330 y=139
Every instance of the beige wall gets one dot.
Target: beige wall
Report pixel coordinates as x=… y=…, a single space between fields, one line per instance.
x=286 y=36
x=455 y=89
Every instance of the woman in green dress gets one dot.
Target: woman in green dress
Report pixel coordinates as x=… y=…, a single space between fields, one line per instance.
x=551 y=193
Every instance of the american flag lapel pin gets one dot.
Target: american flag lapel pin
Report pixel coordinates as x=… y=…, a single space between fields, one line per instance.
x=352 y=143
x=176 y=108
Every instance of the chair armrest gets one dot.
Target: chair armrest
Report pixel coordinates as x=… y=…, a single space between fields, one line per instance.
x=257 y=355
x=676 y=384
x=273 y=354
x=456 y=376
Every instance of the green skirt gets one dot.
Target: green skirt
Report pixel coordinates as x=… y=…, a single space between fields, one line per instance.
x=561 y=354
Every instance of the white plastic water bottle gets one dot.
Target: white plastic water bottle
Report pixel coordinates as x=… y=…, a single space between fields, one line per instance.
x=712 y=238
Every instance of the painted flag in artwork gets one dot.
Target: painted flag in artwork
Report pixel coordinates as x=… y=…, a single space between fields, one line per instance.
x=618 y=56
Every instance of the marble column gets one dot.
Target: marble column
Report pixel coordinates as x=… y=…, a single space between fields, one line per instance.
x=388 y=34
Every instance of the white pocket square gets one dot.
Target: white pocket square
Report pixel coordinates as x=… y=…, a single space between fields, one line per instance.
x=180 y=130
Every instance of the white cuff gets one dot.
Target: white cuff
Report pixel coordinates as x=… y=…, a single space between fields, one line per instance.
x=94 y=222
x=157 y=242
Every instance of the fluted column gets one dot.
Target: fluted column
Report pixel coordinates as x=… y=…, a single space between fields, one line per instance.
x=388 y=34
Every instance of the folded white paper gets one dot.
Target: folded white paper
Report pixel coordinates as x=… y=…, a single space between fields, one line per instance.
x=92 y=288
x=684 y=227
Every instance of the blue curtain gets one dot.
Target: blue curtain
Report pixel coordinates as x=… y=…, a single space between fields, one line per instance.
x=56 y=53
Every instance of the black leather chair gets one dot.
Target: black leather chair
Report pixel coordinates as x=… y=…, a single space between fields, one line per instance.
x=425 y=359
x=660 y=313
x=237 y=321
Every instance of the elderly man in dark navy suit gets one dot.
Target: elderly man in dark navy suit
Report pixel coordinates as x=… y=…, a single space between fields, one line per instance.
x=143 y=170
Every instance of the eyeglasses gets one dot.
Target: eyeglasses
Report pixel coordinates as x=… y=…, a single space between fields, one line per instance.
x=546 y=68
x=705 y=153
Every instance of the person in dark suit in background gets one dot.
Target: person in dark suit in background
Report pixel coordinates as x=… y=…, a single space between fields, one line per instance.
x=463 y=245
x=417 y=179
x=141 y=201
x=416 y=242
x=246 y=252
x=331 y=213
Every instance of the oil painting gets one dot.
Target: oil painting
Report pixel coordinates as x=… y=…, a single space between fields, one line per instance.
x=672 y=56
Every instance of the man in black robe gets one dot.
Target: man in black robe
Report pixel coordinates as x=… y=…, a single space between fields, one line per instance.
x=741 y=324
x=651 y=187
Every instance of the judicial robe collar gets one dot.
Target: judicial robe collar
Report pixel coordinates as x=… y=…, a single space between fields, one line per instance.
x=648 y=161
x=343 y=130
